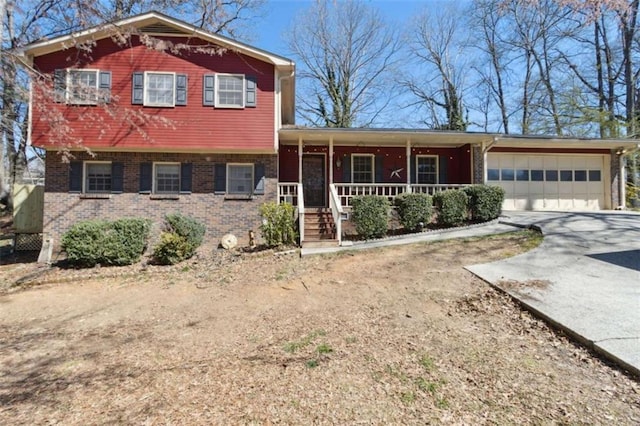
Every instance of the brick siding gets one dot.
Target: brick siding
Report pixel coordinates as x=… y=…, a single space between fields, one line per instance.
x=220 y=214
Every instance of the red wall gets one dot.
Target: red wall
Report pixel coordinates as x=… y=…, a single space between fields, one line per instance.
x=126 y=126
x=458 y=165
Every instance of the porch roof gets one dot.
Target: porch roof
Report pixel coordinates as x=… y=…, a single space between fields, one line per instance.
x=435 y=138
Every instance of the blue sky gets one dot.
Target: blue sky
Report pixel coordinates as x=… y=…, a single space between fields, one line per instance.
x=280 y=15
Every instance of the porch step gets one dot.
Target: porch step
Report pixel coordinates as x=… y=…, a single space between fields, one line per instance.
x=319 y=227
x=320 y=244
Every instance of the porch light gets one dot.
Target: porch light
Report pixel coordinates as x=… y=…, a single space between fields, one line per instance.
x=338 y=163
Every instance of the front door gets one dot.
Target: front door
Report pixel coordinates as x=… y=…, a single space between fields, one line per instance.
x=313 y=181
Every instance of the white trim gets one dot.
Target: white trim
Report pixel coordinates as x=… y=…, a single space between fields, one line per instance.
x=216 y=95
x=145 y=19
x=154 y=180
x=251 y=184
x=145 y=88
x=84 y=177
x=373 y=166
x=437 y=169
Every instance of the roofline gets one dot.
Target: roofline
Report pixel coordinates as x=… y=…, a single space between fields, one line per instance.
x=98 y=32
x=455 y=138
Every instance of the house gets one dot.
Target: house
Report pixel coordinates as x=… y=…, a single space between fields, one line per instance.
x=178 y=119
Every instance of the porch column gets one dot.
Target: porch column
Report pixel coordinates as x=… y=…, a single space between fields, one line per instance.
x=330 y=160
x=300 y=159
x=408 y=165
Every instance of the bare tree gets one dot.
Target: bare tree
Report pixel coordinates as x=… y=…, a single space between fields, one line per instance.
x=438 y=45
x=489 y=24
x=29 y=20
x=346 y=52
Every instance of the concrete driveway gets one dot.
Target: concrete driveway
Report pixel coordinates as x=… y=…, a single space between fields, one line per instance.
x=584 y=277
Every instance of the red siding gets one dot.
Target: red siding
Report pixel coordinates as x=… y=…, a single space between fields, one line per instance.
x=393 y=158
x=123 y=126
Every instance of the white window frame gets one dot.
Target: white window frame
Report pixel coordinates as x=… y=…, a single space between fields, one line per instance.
x=373 y=166
x=154 y=177
x=218 y=104
x=437 y=172
x=92 y=98
x=251 y=182
x=85 y=177
x=146 y=101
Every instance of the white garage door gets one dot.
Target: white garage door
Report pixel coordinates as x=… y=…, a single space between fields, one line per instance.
x=549 y=182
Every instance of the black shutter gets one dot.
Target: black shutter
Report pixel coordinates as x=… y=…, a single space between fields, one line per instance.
x=104 y=84
x=379 y=168
x=346 y=168
x=59 y=85
x=220 y=178
x=117 y=177
x=146 y=177
x=208 y=90
x=251 y=100
x=185 y=178
x=412 y=168
x=75 y=176
x=181 y=89
x=442 y=166
x=137 y=88
x=258 y=179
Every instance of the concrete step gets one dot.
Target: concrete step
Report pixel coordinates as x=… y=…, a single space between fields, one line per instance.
x=318 y=244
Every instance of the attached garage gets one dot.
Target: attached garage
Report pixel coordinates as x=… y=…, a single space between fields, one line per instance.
x=544 y=181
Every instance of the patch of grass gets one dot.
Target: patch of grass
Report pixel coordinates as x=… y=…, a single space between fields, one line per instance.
x=293 y=347
x=351 y=340
x=324 y=349
x=426 y=362
x=408 y=397
x=531 y=239
x=312 y=363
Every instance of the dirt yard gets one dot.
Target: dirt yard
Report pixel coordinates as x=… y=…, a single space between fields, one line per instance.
x=391 y=336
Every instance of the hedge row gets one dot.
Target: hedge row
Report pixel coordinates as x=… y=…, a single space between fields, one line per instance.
x=478 y=203
x=100 y=242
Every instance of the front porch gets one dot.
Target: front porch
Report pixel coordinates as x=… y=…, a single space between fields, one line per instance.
x=324 y=169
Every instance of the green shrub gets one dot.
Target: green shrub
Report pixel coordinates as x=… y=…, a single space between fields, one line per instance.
x=172 y=249
x=452 y=207
x=278 y=224
x=485 y=202
x=183 y=236
x=187 y=227
x=371 y=215
x=93 y=242
x=414 y=209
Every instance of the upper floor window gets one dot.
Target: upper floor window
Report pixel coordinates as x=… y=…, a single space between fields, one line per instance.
x=427 y=169
x=362 y=168
x=230 y=91
x=159 y=89
x=82 y=86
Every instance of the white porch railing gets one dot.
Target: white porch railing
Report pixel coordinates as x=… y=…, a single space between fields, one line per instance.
x=432 y=189
x=346 y=191
x=288 y=193
x=336 y=211
x=291 y=192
